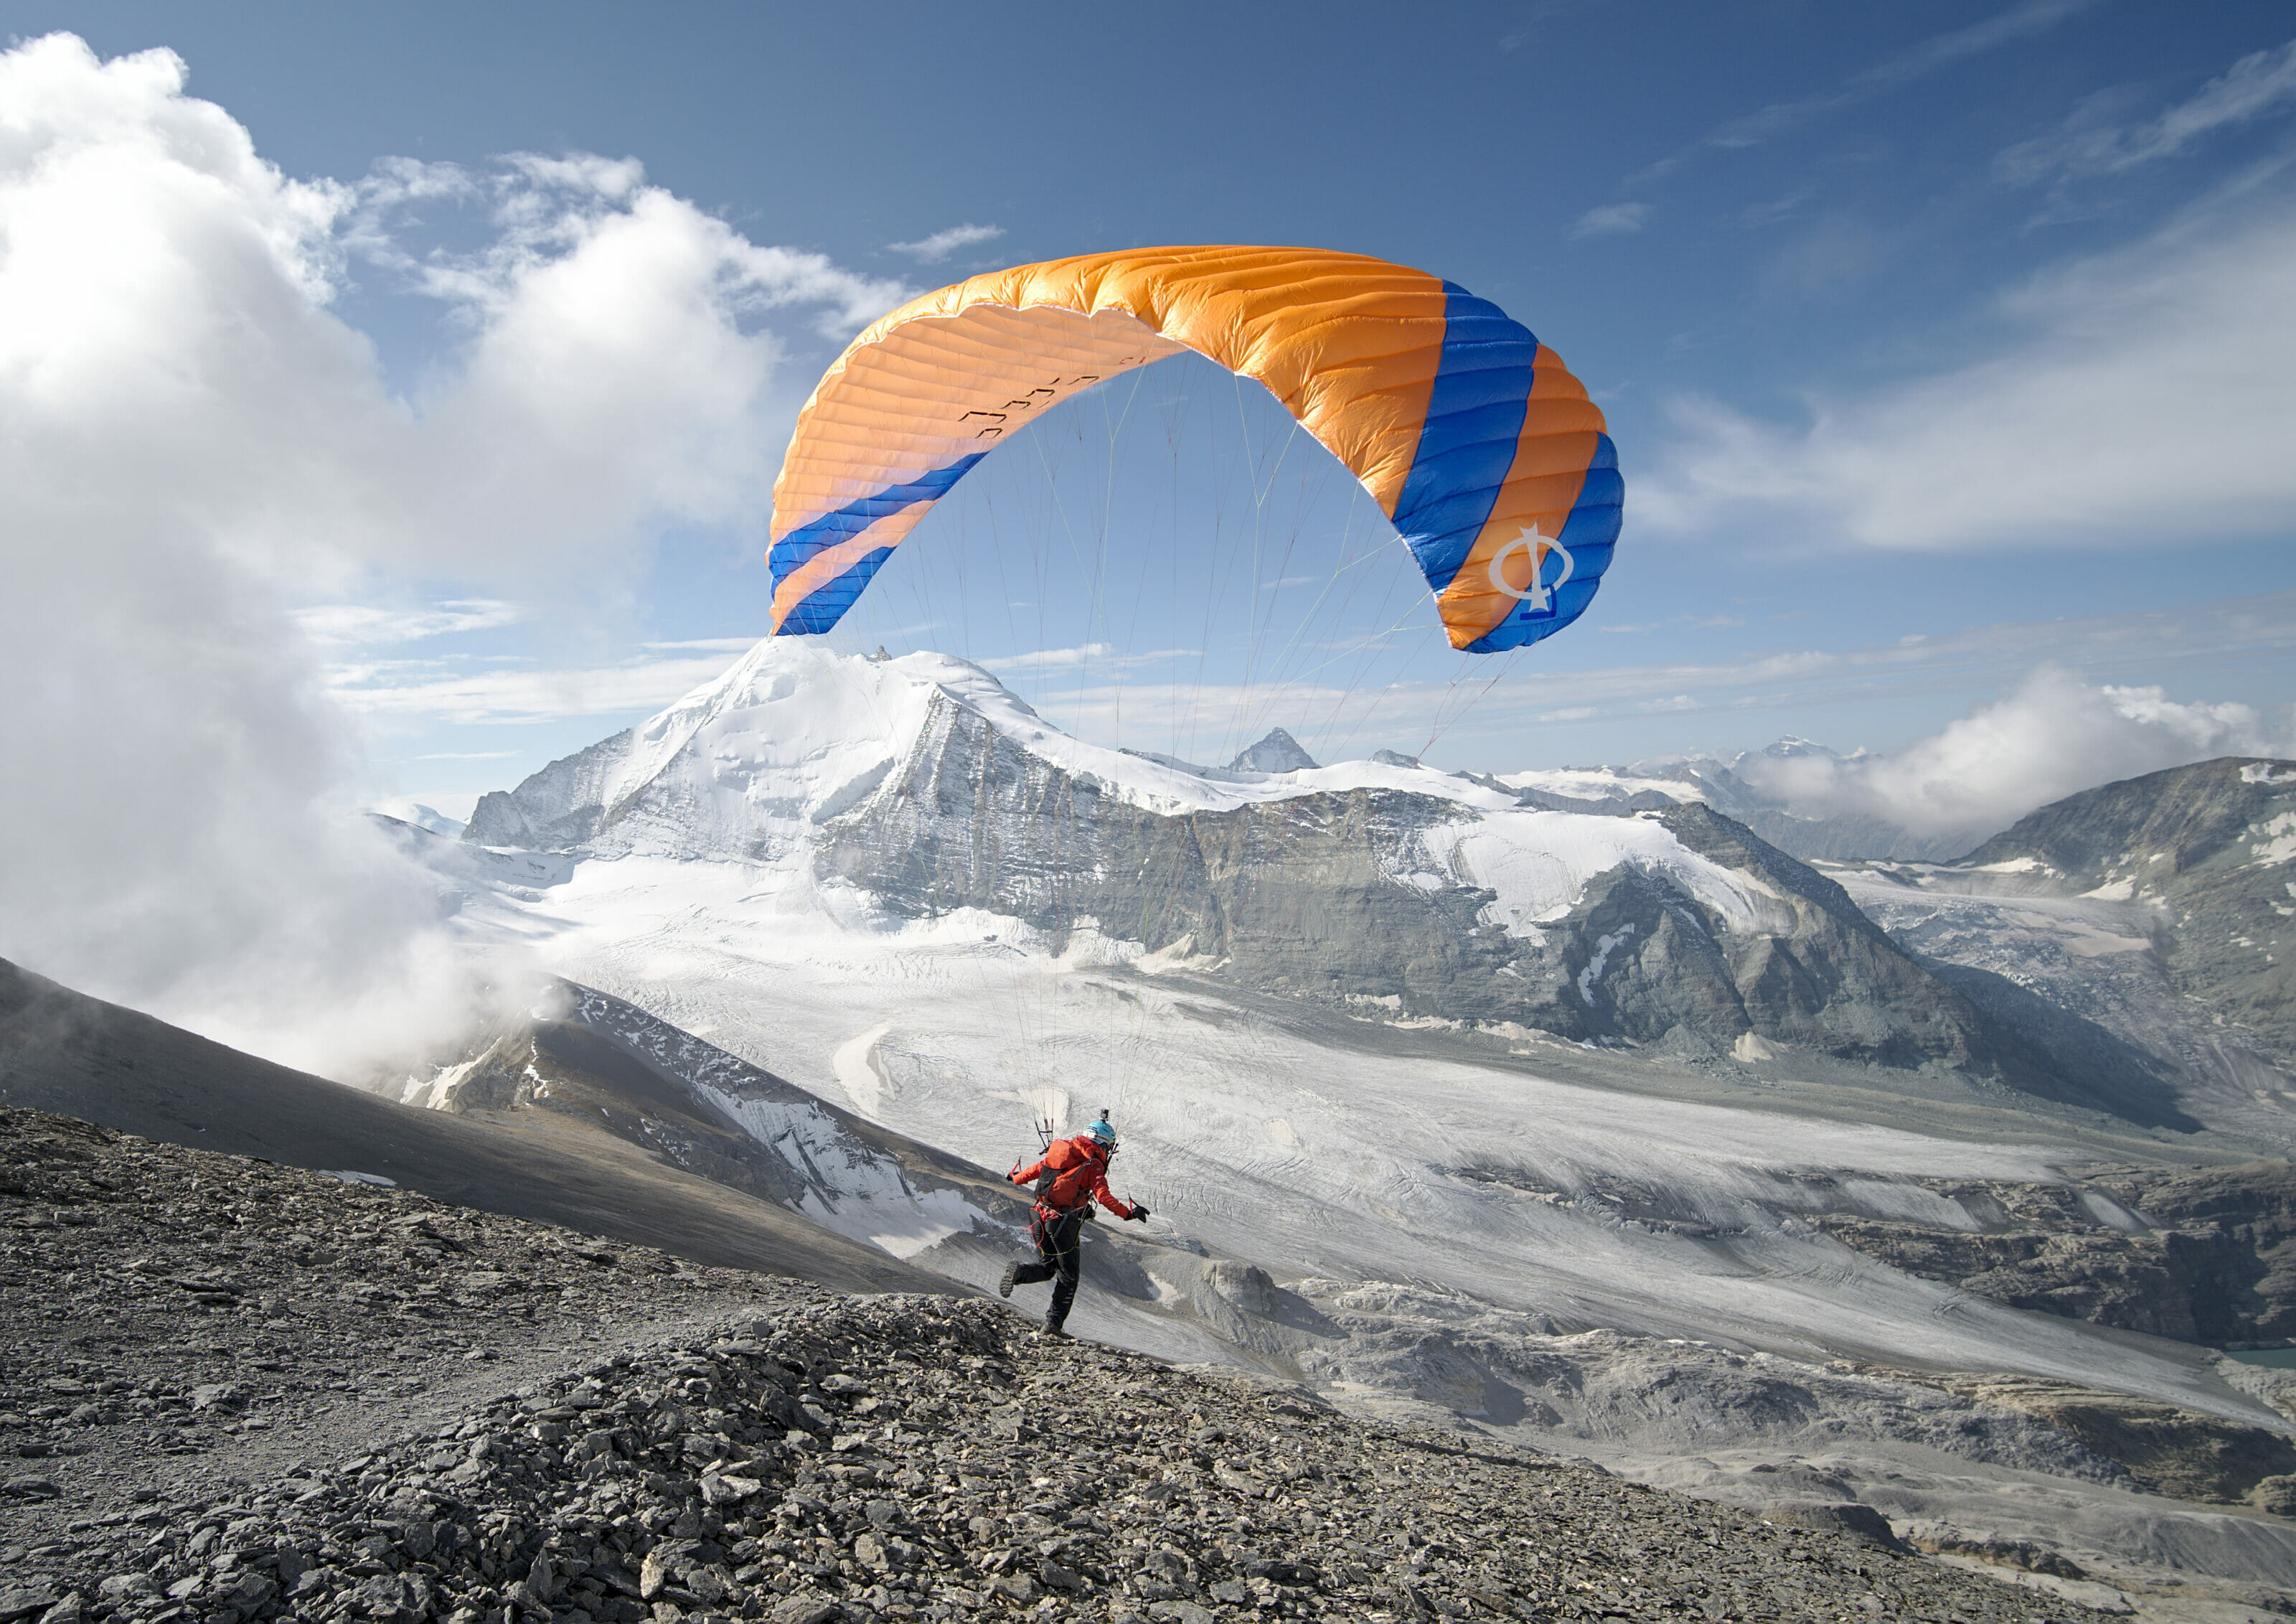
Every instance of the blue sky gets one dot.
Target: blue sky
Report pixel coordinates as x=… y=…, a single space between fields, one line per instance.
x=1941 y=344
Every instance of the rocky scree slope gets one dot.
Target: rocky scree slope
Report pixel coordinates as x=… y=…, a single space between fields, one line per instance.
x=813 y=1458
x=176 y=1316
x=665 y=1090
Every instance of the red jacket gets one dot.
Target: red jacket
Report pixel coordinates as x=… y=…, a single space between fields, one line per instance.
x=1080 y=1171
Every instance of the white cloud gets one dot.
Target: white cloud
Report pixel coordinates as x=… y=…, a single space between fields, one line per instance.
x=941 y=244
x=2054 y=736
x=2095 y=142
x=2019 y=21
x=1102 y=658
x=2146 y=397
x=1610 y=220
x=192 y=441
x=367 y=623
x=1038 y=660
x=522 y=694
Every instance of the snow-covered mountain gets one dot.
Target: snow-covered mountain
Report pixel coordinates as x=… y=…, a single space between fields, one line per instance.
x=921 y=789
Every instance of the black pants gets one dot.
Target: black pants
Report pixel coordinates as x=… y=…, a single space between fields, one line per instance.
x=1060 y=1259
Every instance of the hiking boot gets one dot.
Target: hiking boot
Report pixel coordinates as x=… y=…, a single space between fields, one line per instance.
x=1051 y=1333
x=1005 y=1285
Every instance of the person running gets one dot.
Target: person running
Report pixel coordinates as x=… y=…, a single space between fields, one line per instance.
x=1075 y=1172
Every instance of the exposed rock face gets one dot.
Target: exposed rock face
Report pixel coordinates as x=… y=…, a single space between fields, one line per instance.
x=2206 y=1256
x=2214 y=844
x=925 y=787
x=2167 y=1449
x=563 y=805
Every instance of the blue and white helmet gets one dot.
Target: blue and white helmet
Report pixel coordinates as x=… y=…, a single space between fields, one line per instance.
x=1104 y=1131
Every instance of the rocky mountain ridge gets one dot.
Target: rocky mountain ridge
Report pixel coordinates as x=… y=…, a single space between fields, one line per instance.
x=2135 y=929
x=2212 y=846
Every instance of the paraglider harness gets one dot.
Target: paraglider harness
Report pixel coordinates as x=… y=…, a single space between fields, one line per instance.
x=1045 y=1213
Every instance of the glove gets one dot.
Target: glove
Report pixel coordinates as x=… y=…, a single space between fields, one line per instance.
x=1138 y=1211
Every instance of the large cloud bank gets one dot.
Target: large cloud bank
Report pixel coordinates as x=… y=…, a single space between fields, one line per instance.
x=2054 y=736
x=192 y=439
x=2143 y=397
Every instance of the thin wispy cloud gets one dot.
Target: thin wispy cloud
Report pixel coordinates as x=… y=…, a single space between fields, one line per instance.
x=941 y=244
x=2096 y=141
x=2019 y=21
x=360 y=623
x=519 y=693
x=1101 y=657
x=1610 y=220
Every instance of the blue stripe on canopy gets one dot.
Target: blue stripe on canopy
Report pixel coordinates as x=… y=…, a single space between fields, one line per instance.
x=842 y=525
x=1474 y=417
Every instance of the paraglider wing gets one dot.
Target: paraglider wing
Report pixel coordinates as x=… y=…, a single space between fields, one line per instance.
x=1469 y=433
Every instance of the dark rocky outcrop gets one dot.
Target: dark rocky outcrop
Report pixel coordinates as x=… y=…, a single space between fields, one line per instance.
x=2209 y=1255
x=1278 y=753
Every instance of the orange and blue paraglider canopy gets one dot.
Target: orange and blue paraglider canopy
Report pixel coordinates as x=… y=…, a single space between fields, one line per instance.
x=1469 y=433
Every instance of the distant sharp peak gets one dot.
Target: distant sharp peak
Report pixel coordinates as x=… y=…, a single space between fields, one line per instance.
x=1278 y=752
